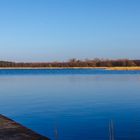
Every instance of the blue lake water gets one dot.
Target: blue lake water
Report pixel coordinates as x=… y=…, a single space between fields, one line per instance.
x=77 y=104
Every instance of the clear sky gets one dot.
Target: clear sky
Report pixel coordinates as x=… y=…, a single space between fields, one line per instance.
x=49 y=30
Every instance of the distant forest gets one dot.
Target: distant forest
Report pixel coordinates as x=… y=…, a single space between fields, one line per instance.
x=76 y=63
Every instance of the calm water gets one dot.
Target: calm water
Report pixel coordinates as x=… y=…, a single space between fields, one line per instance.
x=77 y=103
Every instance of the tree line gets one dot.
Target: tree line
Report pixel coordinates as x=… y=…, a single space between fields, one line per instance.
x=76 y=63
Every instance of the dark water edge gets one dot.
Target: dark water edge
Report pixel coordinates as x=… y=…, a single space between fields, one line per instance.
x=64 y=71
x=73 y=104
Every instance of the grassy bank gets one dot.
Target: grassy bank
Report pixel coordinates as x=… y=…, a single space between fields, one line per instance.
x=122 y=68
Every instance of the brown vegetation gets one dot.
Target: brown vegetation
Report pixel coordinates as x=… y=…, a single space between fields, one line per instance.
x=73 y=63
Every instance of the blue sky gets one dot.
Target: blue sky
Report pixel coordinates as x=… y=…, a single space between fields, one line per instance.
x=49 y=30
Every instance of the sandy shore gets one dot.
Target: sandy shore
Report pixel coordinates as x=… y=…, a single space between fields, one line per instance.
x=52 y=68
x=106 y=68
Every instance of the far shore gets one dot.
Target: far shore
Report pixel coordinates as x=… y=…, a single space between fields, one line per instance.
x=106 y=68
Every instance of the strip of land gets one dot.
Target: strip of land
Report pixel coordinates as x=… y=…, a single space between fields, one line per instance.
x=37 y=68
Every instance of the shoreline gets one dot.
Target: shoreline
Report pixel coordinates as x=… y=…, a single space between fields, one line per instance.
x=51 y=68
x=11 y=130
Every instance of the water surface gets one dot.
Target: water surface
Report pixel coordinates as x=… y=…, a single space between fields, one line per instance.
x=78 y=104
